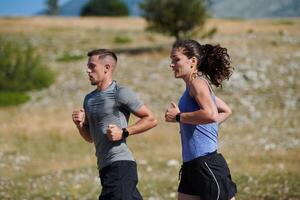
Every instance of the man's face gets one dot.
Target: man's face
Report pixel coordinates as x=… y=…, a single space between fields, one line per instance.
x=95 y=70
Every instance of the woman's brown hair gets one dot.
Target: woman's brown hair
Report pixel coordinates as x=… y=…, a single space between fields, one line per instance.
x=213 y=60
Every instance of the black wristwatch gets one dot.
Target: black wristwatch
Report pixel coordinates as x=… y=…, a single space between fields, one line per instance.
x=177 y=118
x=125 y=133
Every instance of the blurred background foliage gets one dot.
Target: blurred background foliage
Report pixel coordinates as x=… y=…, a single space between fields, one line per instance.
x=21 y=70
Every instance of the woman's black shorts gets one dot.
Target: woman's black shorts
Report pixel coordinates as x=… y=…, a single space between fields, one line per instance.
x=208 y=177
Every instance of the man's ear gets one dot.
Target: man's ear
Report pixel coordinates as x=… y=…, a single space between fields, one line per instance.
x=106 y=68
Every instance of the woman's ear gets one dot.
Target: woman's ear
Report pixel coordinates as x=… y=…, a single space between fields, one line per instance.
x=194 y=61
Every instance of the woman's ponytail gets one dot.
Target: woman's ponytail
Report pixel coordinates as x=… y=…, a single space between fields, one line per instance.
x=215 y=63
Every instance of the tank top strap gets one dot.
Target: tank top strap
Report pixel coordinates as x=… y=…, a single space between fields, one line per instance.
x=208 y=85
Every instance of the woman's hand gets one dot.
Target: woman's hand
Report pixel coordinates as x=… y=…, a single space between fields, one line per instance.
x=171 y=112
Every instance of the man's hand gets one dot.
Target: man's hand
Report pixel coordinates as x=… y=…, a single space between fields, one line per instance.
x=171 y=112
x=78 y=117
x=114 y=133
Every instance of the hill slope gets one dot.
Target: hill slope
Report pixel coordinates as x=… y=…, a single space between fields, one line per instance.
x=219 y=8
x=72 y=8
x=255 y=8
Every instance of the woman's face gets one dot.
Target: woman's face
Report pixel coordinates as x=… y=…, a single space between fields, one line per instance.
x=181 y=65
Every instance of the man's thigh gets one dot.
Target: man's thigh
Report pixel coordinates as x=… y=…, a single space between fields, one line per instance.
x=119 y=181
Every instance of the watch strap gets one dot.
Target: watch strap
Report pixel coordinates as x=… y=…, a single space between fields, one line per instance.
x=177 y=118
x=125 y=133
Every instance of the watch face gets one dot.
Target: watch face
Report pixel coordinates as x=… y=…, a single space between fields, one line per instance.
x=125 y=133
x=178 y=117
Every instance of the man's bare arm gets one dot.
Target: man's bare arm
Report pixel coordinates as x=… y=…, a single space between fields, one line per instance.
x=81 y=123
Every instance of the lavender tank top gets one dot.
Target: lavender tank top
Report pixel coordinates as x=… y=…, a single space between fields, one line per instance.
x=196 y=140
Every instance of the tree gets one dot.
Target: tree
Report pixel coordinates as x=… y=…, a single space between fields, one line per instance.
x=105 y=8
x=53 y=8
x=174 y=17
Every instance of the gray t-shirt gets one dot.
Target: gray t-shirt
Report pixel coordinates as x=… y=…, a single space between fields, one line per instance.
x=111 y=106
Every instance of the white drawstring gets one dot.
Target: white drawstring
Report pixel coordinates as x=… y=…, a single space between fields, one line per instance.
x=215 y=180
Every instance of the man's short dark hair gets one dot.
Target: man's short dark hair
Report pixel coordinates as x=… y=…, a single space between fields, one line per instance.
x=102 y=53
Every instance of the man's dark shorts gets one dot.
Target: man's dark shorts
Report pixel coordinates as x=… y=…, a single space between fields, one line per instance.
x=208 y=177
x=119 y=181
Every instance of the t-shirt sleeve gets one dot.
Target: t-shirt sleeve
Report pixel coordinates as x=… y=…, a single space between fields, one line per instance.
x=129 y=99
x=85 y=109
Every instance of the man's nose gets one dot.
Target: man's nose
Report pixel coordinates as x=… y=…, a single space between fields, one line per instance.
x=88 y=70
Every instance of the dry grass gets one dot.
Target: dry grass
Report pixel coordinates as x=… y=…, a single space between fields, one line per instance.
x=232 y=27
x=32 y=24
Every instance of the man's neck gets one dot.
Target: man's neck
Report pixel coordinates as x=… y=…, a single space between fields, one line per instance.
x=103 y=85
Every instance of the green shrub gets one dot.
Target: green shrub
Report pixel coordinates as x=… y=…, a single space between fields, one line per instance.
x=281 y=32
x=13 y=98
x=283 y=22
x=21 y=70
x=250 y=31
x=274 y=43
x=105 y=8
x=71 y=56
x=120 y=39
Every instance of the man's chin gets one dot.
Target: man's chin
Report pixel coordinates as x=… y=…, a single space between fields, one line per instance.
x=93 y=83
